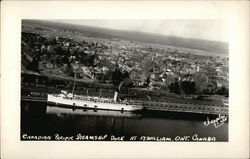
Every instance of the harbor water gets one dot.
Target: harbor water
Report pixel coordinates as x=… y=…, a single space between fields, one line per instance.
x=44 y=122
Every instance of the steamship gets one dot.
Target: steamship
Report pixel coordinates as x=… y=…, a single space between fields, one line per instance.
x=70 y=99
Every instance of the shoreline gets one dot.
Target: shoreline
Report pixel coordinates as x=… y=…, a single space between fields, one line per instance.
x=154 y=106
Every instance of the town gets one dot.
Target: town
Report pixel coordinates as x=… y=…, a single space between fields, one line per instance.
x=135 y=68
x=144 y=65
x=93 y=83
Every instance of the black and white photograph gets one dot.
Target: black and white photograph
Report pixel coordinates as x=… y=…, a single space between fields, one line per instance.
x=124 y=80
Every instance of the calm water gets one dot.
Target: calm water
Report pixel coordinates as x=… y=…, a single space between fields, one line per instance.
x=42 y=122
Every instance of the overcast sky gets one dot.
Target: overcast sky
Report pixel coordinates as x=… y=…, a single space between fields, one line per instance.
x=200 y=29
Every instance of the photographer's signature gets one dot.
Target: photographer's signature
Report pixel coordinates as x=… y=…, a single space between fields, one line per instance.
x=220 y=120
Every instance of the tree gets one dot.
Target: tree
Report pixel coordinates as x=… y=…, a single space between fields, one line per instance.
x=188 y=87
x=223 y=91
x=34 y=64
x=175 y=87
x=147 y=66
x=107 y=76
x=118 y=79
x=211 y=88
x=68 y=70
x=146 y=81
x=201 y=81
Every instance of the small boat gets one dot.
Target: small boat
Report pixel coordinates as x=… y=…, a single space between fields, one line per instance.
x=69 y=99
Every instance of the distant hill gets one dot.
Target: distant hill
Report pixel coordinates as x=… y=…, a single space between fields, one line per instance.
x=218 y=48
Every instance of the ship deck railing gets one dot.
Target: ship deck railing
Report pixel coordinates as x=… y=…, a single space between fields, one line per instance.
x=111 y=101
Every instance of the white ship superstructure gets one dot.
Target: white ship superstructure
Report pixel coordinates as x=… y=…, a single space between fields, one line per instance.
x=69 y=99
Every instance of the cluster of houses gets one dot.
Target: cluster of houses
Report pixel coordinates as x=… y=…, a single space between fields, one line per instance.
x=144 y=63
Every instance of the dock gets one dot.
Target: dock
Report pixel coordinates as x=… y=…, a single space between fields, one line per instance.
x=162 y=106
x=34 y=99
x=189 y=108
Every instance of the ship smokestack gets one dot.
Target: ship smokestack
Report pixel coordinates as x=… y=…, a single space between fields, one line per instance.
x=115 y=96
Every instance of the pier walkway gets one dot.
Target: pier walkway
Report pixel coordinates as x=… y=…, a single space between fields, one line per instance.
x=162 y=106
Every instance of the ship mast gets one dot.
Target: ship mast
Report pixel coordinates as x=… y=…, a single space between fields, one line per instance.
x=74 y=84
x=75 y=67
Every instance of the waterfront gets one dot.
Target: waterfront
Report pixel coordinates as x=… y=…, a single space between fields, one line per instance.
x=183 y=93
x=39 y=120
